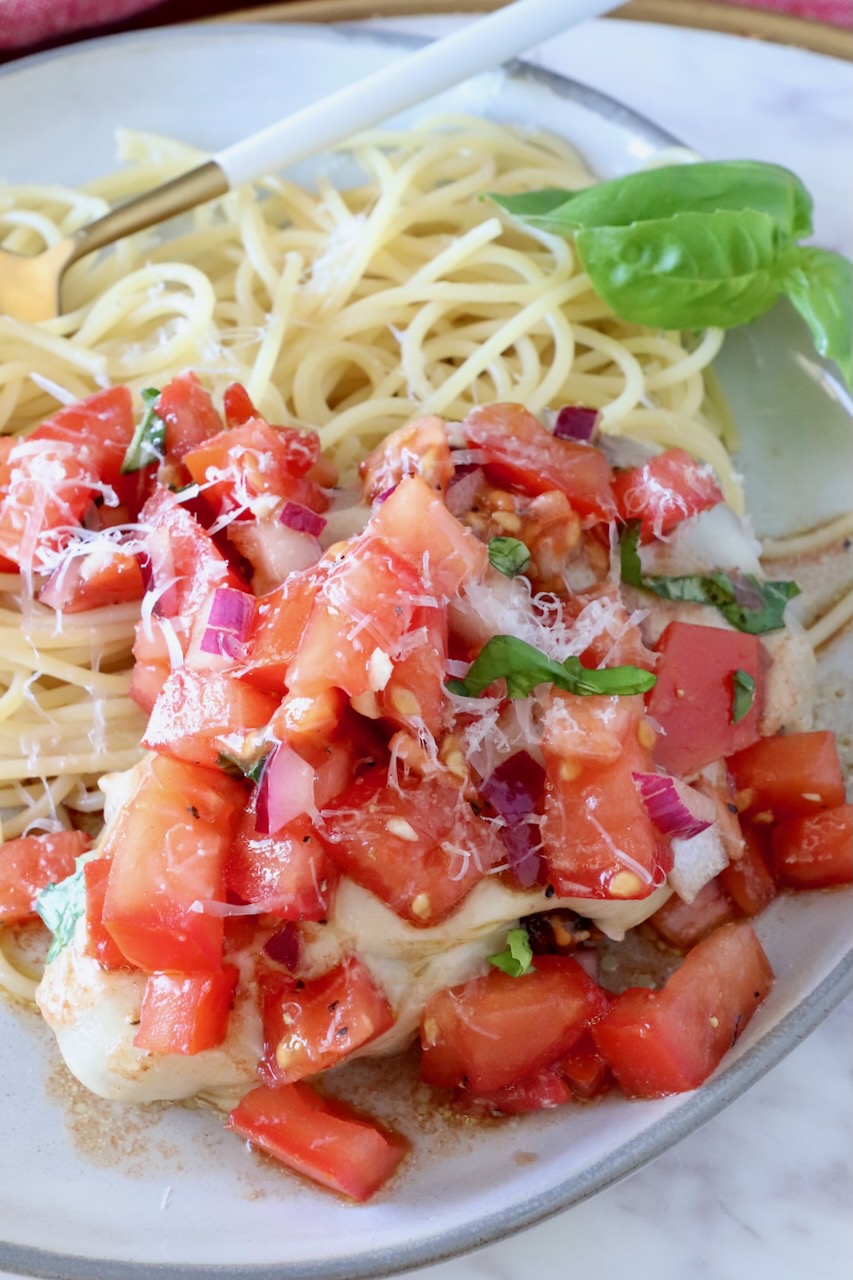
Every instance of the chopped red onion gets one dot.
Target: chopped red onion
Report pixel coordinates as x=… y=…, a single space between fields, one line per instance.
x=228 y=623
x=283 y=947
x=302 y=519
x=285 y=791
x=675 y=808
x=577 y=422
x=383 y=496
x=462 y=489
x=515 y=791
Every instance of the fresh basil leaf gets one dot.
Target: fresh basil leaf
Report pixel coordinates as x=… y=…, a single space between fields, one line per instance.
x=690 y=271
x=149 y=439
x=743 y=694
x=61 y=905
x=524 y=667
x=749 y=604
x=734 y=185
x=242 y=769
x=517 y=958
x=508 y=556
x=820 y=285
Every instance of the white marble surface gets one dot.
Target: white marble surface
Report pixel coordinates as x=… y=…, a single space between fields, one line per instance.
x=762 y=1192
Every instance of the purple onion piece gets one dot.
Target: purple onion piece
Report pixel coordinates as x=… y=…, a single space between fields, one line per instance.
x=515 y=791
x=283 y=947
x=674 y=808
x=285 y=790
x=384 y=495
x=577 y=422
x=462 y=489
x=302 y=519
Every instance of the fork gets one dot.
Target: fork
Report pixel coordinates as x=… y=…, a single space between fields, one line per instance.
x=31 y=286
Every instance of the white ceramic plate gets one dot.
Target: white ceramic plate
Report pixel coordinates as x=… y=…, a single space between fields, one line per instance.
x=91 y=1188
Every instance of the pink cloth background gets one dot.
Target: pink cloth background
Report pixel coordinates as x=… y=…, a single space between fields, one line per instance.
x=25 y=24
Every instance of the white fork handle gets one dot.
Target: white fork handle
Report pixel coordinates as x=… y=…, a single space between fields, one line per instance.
x=479 y=46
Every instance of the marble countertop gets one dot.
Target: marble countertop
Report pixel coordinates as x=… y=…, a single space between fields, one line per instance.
x=762 y=1192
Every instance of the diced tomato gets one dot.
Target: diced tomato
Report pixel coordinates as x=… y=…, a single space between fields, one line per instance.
x=669 y=1041
x=497 y=1030
x=419 y=848
x=521 y=452
x=415 y=694
x=168 y=848
x=816 y=851
x=279 y=624
x=290 y=872
x=685 y=923
x=105 y=575
x=418 y=448
x=791 y=775
x=592 y=728
x=694 y=696
x=598 y=840
x=189 y=414
x=146 y=681
x=542 y=1091
x=417 y=526
x=321 y=1137
x=238 y=405
x=585 y=1069
x=749 y=881
x=311 y=1026
x=185 y=568
x=29 y=864
x=245 y=462
x=51 y=486
x=186 y=1012
x=97 y=429
x=99 y=944
x=365 y=604
x=664 y=491
x=196 y=711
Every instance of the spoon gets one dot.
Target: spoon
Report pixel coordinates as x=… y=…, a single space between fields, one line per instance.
x=30 y=286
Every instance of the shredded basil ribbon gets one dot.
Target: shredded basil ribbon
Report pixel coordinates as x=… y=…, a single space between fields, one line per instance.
x=517 y=959
x=61 y=905
x=508 y=556
x=743 y=694
x=749 y=604
x=149 y=439
x=524 y=667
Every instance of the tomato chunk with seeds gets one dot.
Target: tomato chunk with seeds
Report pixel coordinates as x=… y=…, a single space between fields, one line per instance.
x=816 y=851
x=196 y=711
x=598 y=840
x=669 y=1041
x=281 y=617
x=419 y=848
x=693 y=699
x=418 y=448
x=519 y=451
x=585 y=1069
x=664 y=491
x=186 y=1013
x=790 y=775
x=310 y=1026
x=290 y=871
x=253 y=459
x=168 y=848
x=497 y=1030
x=29 y=864
x=321 y=1137
x=98 y=430
x=417 y=526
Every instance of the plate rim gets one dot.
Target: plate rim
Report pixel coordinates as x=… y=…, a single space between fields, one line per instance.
x=697 y=1107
